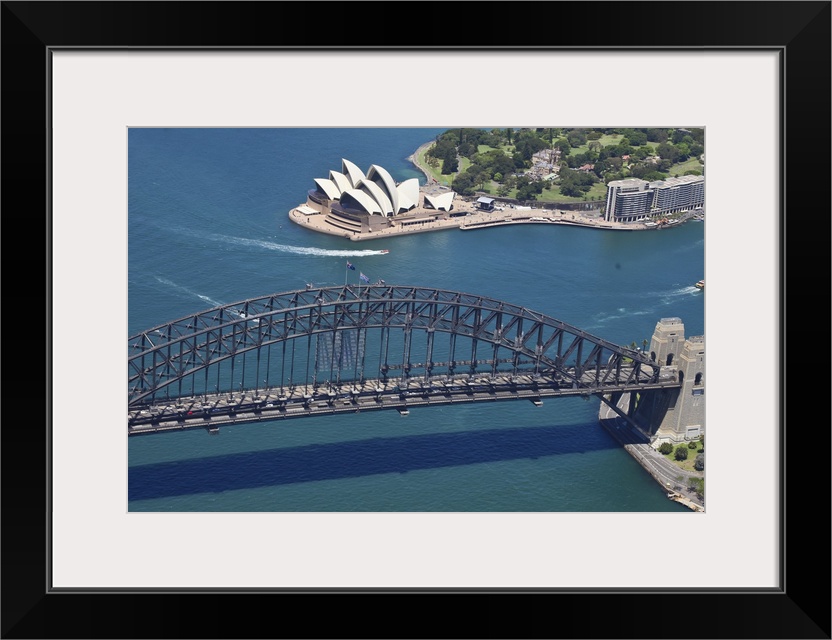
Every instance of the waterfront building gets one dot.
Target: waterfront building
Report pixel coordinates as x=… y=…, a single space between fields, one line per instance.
x=358 y=202
x=485 y=204
x=633 y=199
x=373 y=193
x=441 y=201
x=628 y=200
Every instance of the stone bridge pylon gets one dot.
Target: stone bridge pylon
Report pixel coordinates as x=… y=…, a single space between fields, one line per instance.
x=677 y=414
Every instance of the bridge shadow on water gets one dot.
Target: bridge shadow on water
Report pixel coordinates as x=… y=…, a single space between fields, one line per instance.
x=359 y=458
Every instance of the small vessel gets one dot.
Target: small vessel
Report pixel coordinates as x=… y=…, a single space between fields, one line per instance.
x=384 y=251
x=700 y=284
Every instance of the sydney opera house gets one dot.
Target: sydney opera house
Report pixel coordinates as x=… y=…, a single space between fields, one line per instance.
x=357 y=202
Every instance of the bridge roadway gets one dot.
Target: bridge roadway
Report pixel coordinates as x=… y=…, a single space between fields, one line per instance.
x=212 y=411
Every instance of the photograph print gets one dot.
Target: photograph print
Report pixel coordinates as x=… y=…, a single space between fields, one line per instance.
x=505 y=319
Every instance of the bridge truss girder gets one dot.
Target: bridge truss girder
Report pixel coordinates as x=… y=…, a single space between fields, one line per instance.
x=502 y=336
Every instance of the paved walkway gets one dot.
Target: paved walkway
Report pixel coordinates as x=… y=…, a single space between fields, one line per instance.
x=438 y=221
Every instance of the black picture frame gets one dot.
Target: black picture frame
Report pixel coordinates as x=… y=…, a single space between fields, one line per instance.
x=800 y=608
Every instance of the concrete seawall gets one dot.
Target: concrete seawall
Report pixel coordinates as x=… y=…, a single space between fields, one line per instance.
x=473 y=220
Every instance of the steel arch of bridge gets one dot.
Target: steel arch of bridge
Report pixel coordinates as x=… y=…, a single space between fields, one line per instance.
x=179 y=359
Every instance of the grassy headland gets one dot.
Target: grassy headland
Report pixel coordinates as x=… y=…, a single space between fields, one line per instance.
x=555 y=164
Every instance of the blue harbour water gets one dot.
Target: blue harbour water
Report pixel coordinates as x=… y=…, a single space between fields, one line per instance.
x=208 y=225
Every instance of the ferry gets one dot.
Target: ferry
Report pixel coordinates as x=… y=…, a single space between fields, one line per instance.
x=700 y=284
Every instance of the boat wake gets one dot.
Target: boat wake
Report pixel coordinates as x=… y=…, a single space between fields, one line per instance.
x=669 y=297
x=302 y=251
x=683 y=291
x=178 y=287
x=653 y=303
x=603 y=319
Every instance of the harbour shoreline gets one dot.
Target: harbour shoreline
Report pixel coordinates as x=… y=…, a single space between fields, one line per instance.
x=467 y=216
x=662 y=471
x=472 y=220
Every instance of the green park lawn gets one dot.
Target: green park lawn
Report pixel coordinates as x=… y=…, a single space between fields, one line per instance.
x=608 y=140
x=685 y=465
x=435 y=172
x=605 y=140
x=505 y=148
x=679 y=169
x=596 y=193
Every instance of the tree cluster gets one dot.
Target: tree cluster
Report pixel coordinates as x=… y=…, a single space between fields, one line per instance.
x=528 y=189
x=445 y=151
x=640 y=153
x=486 y=166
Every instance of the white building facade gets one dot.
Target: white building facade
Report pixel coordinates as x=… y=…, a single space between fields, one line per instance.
x=633 y=199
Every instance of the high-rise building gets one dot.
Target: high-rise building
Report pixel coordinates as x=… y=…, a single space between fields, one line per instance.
x=633 y=199
x=628 y=200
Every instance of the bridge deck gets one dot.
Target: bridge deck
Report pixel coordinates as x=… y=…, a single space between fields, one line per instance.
x=213 y=411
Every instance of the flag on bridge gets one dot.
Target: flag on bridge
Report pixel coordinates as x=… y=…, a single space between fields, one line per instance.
x=363 y=277
x=350 y=266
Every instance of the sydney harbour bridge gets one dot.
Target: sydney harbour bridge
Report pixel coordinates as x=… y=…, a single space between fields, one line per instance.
x=348 y=349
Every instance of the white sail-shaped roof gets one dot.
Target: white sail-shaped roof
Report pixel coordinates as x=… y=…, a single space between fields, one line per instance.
x=380 y=192
x=442 y=202
x=377 y=194
x=329 y=188
x=379 y=174
x=354 y=174
x=408 y=194
x=341 y=181
x=361 y=199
